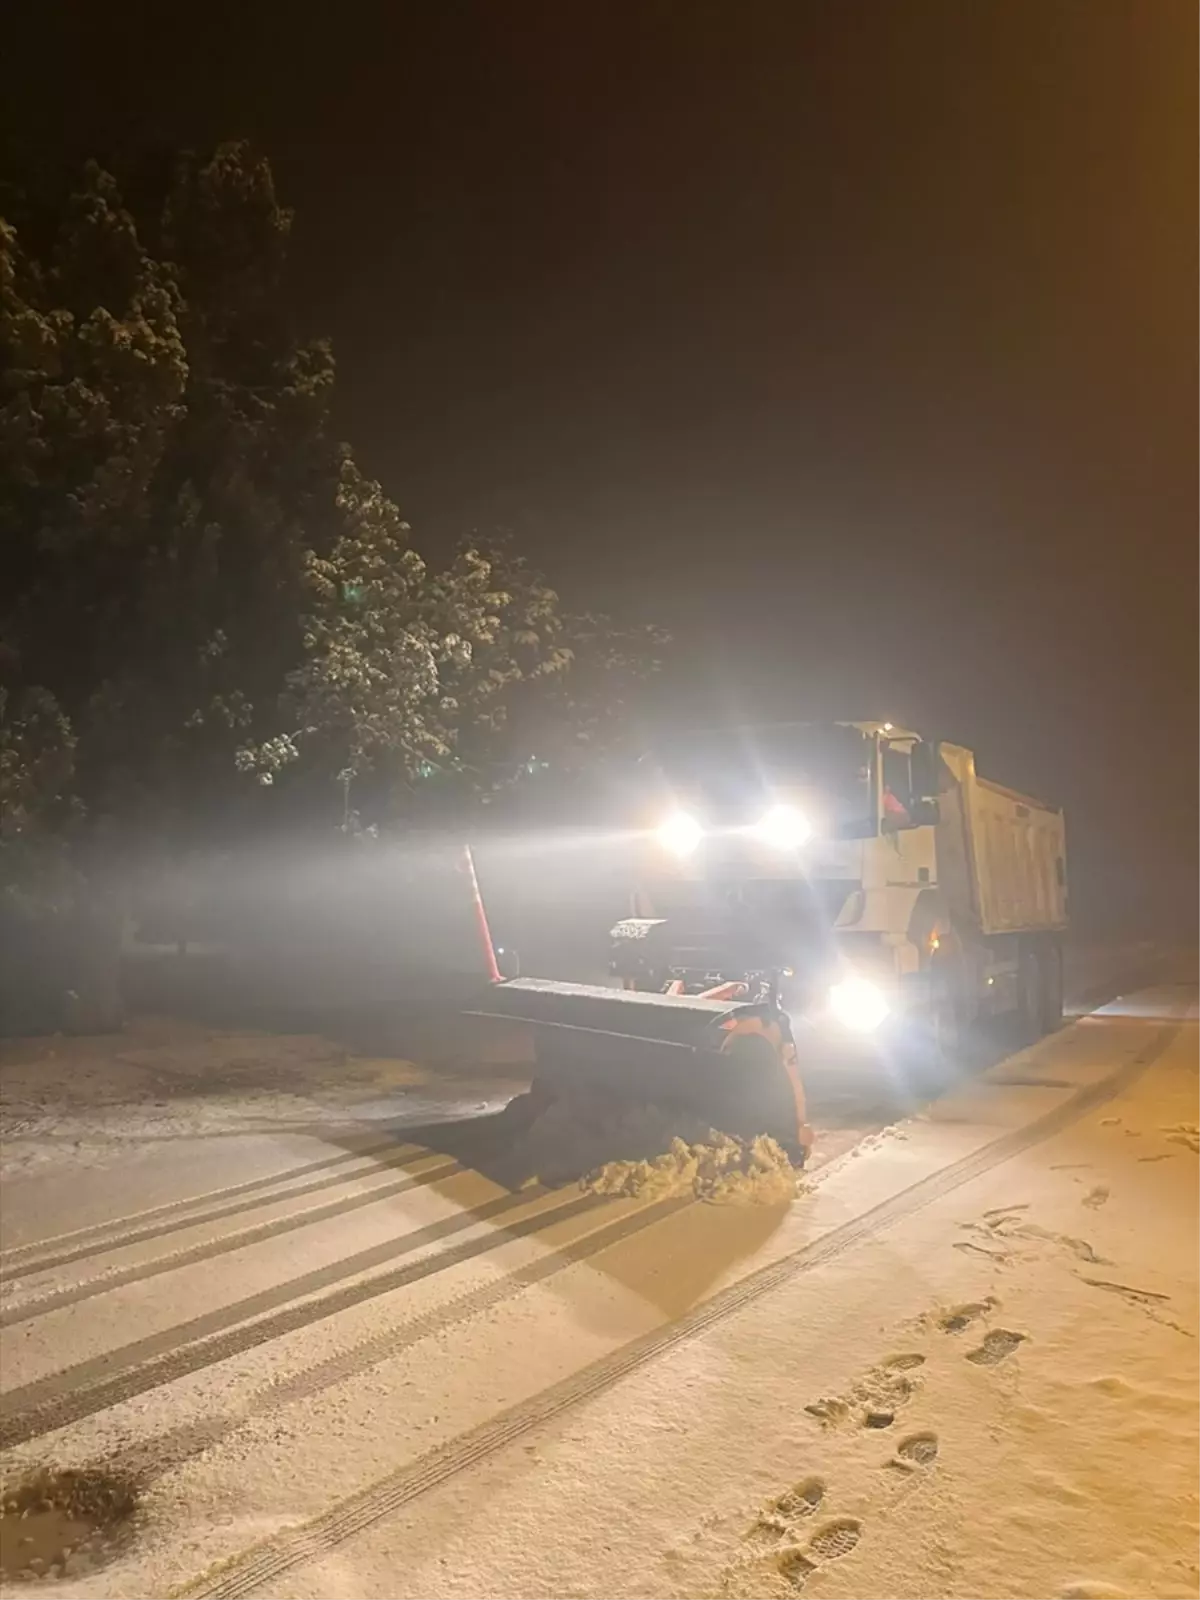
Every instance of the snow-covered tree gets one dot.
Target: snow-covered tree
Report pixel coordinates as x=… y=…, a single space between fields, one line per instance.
x=202 y=595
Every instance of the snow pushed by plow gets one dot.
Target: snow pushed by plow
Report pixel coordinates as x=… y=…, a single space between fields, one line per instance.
x=718 y=1168
x=650 y=1152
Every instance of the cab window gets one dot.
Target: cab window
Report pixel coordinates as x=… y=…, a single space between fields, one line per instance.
x=897 y=781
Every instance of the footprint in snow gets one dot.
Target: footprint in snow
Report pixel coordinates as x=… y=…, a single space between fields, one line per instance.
x=830 y=1543
x=959 y=1318
x=877 y=1395
x=802 y=1499
x=997 y=1346
x=906 y=1361
x=918 y=1450
x=777 y=1518
x=878 y=1417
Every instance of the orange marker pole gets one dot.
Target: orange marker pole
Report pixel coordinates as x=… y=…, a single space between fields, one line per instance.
x=481 y=921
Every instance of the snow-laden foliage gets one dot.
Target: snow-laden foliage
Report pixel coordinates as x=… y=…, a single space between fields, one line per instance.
x=202 y=595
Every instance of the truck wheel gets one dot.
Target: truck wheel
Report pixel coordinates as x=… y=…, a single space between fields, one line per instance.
x=771 y=1100
x=1031 y=994
x=1052 y=989
x=949 y=1035
x=946 y=1021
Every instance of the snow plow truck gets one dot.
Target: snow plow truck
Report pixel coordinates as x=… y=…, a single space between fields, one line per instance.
x=808 y=892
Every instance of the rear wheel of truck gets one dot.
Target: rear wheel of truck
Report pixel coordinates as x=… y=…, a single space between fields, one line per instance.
x=1052 y=989
x=1032 y=1002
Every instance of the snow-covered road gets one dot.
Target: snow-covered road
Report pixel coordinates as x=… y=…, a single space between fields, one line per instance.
x=963 y=1363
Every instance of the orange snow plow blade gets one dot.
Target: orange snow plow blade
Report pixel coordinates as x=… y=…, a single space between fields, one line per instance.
x=728 y=1063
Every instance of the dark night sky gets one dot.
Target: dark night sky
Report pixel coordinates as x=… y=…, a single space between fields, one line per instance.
x=854 y=341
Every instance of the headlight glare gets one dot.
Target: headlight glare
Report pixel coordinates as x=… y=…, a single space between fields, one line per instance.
x=784 y=828
x=680 y=834
x=858 y=1004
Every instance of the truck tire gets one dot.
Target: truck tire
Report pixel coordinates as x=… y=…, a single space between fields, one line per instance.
x=1052 y=989
x=945 y=1025
x=948 y=1025
x=1031 y=993
x=772 y=1101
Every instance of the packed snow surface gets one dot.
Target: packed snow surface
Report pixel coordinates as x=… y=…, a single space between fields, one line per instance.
x=241 y=1277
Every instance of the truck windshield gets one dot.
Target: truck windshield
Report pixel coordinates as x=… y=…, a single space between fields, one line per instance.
x=734 y=767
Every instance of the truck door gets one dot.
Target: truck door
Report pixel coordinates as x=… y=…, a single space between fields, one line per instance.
x=896 y=787
x=904 y=813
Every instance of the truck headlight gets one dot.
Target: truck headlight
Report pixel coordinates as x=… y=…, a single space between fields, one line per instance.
x=858 y=1005
x=680 y=834
x=784 y=828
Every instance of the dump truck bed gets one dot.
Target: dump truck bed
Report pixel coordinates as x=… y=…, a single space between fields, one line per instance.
x=1018 y=859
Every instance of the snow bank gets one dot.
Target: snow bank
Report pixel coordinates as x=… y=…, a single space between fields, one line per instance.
x=650 y=1151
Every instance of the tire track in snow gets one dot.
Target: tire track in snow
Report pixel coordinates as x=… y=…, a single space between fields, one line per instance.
x=209 y=1249
x=268 y=1562
x=100 y=1238
x=91 y=1386
x=22 y=1260
x=166 y=1451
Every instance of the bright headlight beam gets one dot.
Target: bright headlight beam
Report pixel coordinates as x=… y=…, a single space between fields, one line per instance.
x=784 y=828
x=858 y=1004
x=680 y=834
